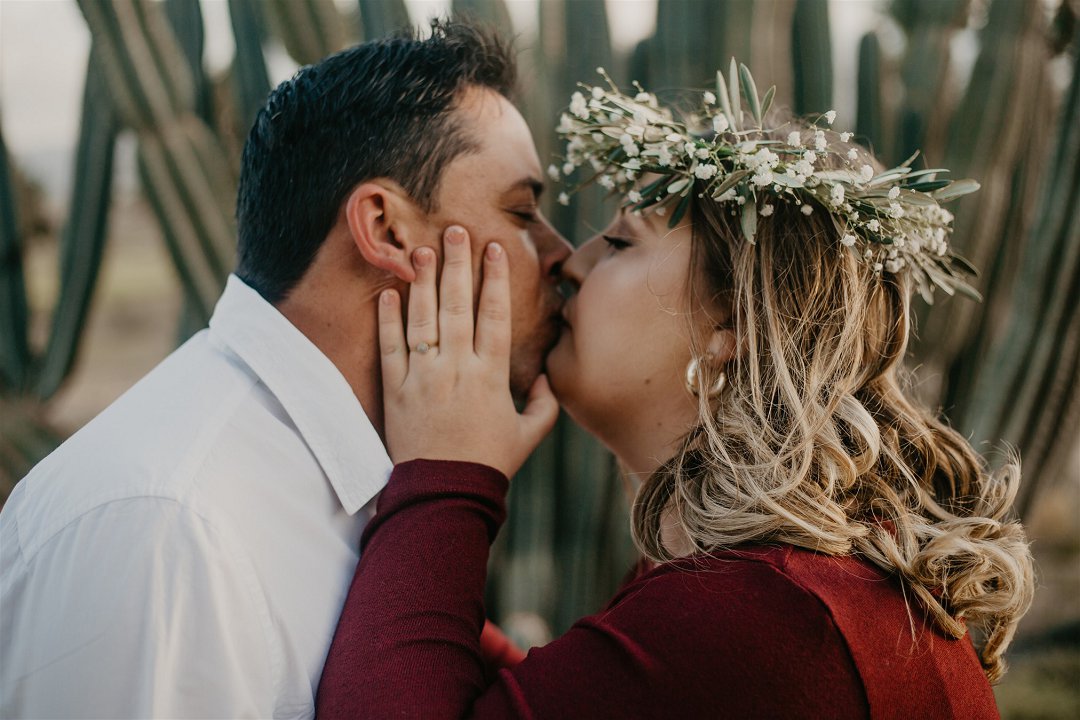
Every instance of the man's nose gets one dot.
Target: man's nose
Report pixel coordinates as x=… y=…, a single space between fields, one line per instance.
x=553 y=249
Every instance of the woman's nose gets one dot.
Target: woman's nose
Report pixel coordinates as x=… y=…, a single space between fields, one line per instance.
x=578 y=265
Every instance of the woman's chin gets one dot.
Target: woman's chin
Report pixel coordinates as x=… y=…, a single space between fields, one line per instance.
x=559 y=368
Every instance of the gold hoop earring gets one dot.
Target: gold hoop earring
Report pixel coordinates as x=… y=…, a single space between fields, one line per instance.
x=693 y=371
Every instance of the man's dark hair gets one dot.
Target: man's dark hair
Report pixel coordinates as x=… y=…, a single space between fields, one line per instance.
x=380 y=109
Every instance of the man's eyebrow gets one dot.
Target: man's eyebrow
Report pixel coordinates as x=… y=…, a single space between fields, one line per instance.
x=534 y=184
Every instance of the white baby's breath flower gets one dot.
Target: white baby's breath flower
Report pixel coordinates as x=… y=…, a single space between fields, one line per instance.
x=894 y=193
x=810 y=156
x=866 y=172
x=710 y=99
x=819 y=140
x=641 y=97
x=830 y=117
x=762 y=177
x=564 y=199
x=837 y=194
x=701 y=153
x=895 y=265
x=763 y=158
x=877 y=267
x=663 y=157
x=806 y=210
x=874 y=226
x=633 y=196
x=632 y=164
x=598 y=137
x=720 y=123
x=565 y=124
x=597 y=93
x=766 y=210
x=553 y=172
x=845 y=136
x=727 y=196
x=578 y=106
x=794 y=139
x=847 y=240
x=625 y=139
x=596 y=163
x=896 y=210
x=567 y=168
x=632 y=150
x=606 y=182
x=704 y=172
x=804 y=168
x=740 y=200
x=852 y=154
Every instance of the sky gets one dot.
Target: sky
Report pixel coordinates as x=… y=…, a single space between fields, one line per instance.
x=44 y=45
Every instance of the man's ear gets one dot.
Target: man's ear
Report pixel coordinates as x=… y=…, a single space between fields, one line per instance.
x=382 y=219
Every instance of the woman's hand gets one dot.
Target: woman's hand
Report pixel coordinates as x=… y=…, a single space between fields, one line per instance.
x=446 y=386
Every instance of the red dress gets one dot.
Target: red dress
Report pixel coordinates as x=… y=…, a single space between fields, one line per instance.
x=755 y=632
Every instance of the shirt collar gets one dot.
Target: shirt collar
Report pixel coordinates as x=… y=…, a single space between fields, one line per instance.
x=311 y=389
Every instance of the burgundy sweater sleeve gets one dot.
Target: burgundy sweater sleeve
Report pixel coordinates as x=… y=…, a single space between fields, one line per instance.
x=408 y=641
x=673 y=643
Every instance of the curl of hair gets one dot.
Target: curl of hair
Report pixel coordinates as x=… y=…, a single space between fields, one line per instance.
x=816 y=443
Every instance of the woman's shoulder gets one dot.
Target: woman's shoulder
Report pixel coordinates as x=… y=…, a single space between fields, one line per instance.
x=734 y=630
x=792 y=610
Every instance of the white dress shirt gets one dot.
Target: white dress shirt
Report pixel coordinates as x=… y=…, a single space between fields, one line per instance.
x=187 y=553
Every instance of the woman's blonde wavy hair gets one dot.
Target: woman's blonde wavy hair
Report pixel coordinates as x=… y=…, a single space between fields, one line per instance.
x=815 y=442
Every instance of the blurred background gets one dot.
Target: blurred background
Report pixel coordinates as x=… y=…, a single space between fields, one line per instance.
x=122 y=121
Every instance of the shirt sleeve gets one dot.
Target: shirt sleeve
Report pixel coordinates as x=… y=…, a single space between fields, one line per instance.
x=137 y=609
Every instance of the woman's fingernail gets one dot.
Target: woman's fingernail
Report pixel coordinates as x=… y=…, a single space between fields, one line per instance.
x=386 y=297
x=455 y=234
x=423 y=256
x=494 y=251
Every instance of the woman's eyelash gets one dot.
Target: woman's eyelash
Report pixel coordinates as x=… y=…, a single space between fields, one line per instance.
x=615 y=243
x=526 y=215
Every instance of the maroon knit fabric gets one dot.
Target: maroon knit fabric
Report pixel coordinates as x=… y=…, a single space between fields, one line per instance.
x=757 y=632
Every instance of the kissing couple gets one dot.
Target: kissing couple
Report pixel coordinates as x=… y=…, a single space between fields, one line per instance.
x=291 y=515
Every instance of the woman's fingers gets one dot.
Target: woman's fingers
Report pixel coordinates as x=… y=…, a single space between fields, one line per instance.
x=395 y=358
x=423 y=328
x=493 y=315
x=456 y=292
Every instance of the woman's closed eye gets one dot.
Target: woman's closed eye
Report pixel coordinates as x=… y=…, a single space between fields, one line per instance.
x=615 y=242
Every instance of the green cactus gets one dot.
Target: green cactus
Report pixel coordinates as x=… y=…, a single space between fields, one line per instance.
x=252 y=83
x=83 y=239
x=382 y=17
x=1027 y=390
x=490 y=12
x=310 y=29
x=811 y=56
x=14 y=314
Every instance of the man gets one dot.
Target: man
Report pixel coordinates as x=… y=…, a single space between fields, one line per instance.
x=187 y=553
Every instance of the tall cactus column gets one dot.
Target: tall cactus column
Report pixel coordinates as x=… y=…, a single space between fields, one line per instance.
x=182 y=163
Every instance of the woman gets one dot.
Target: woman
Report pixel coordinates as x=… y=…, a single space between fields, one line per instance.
x=817 y=546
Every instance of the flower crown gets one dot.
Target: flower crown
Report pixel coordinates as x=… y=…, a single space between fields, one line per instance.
x=892 y=219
